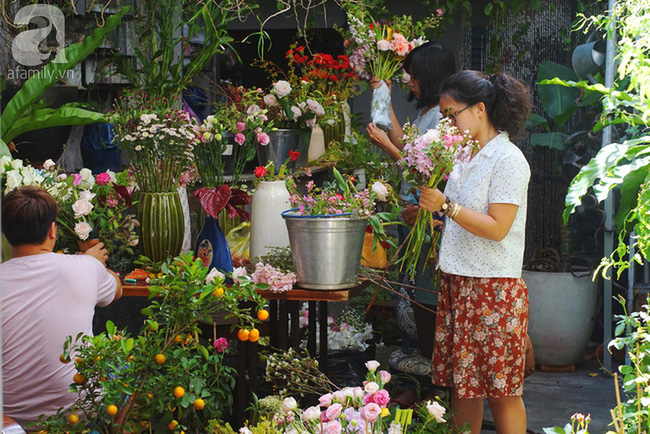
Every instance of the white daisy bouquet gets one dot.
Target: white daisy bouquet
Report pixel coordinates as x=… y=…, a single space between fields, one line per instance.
x=426 y=161
x=158 y=139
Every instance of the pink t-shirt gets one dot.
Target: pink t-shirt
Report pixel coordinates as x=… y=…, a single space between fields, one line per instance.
x=44 y=299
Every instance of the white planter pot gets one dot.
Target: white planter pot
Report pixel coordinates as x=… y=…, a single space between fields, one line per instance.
x=563 y=309
x=316 y=144
x=267 y=225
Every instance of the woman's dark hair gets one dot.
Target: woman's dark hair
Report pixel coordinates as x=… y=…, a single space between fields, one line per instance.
x=506 y=99
x=27 y=214
x=430 y=64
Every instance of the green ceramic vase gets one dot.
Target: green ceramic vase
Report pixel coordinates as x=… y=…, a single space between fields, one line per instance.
x=161 y=225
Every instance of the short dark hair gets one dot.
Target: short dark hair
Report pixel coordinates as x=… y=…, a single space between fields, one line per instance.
x=27 y=215
x=506 y=99
x=430 y=64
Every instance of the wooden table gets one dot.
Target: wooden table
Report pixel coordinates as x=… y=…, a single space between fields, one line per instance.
x=284 y=335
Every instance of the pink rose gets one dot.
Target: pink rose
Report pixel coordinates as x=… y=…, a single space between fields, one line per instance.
x=241 y=126
x=220 y=345
x=263 y=138
x=339 y=396
x=240 y=138
x=334 y=411
x=86 y=195
x=315 y=107
x=281 y=88
x=81 y=208
x=381 y=398
x=370 y=412
x=103 y=178
x=270 y=100
x=77 y=179
x=83 y=229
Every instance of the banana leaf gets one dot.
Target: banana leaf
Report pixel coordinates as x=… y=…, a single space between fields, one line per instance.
x=32 y=91
x=67 y=114
x=609 y=168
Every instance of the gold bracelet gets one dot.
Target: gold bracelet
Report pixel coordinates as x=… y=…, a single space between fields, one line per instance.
x=455 y=211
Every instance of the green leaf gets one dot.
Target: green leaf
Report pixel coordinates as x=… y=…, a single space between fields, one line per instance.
x=110 y=328
x=558 y=101
x=32 y=90
x=551 y=140
x=535 y=120
x=67 y=114
x=607 y=158
x=629 y=194
x=147 y=311
x=204 y=351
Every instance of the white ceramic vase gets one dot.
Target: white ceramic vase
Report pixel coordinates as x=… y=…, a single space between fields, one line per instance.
x=316 y=144
x=267 y=225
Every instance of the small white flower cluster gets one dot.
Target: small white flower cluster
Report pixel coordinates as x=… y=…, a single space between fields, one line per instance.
x=14 y=174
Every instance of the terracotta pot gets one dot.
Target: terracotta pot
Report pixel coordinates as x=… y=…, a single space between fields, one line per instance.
x=87 y=244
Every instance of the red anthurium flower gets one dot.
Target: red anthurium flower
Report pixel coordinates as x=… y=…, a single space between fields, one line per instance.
x=368 y=229
x=340 y=196
x=293 y=155
x=260 y=171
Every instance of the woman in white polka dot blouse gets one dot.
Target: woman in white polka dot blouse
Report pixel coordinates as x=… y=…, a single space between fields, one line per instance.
x=482 y=315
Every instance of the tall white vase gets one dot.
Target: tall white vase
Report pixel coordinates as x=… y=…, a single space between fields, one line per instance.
x=267 y=225
x=316 y=144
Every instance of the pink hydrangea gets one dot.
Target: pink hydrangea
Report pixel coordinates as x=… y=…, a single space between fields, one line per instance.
x=275 y=278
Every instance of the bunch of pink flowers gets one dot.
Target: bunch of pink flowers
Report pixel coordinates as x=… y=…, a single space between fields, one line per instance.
x=348 y=410
x=275 y=278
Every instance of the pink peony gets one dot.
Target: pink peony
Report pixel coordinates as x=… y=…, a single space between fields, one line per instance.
x=103 y=178
x=240 y=138
x=263 y=139
x=220 y=345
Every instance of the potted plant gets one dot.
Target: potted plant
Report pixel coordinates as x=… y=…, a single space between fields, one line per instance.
x=24 y=112
x=326 y=232
x=295 y=105
x=563 y=299
x=159 y=141
x=167 y=377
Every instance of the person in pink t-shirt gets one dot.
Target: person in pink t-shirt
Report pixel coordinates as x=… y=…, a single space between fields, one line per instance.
x=45 y=297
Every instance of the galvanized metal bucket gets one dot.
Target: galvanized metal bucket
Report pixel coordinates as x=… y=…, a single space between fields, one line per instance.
x=326 y=249
x=283 y=141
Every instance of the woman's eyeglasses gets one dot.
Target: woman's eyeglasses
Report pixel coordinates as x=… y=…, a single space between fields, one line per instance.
x=453 y=116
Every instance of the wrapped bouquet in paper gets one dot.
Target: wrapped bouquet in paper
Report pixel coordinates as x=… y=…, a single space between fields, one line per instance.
x=377 y=49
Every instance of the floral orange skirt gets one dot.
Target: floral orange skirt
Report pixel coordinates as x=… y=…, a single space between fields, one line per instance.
x=481 y=329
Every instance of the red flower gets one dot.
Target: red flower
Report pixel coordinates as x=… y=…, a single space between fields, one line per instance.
x=293 y=155
x=339 y=196
x=385 y=244
x=260 y=171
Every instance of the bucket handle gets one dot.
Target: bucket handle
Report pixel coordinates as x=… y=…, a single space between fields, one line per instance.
x=285 y=214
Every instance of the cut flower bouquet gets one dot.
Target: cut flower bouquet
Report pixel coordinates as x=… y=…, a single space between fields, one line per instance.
x=158 y=139
x=377 y=49
x=427 y=160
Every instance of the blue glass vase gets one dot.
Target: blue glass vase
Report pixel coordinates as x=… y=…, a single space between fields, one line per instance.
x=212 y=247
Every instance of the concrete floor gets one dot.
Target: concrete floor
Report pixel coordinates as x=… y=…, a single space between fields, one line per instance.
x=551 y=398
